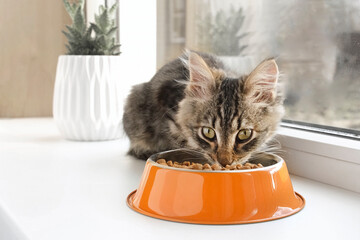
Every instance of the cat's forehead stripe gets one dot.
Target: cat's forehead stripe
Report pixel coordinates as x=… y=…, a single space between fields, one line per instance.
x=229 y=99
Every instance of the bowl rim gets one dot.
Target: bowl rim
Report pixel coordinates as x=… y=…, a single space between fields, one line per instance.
x=151 y=160
x=130 y=204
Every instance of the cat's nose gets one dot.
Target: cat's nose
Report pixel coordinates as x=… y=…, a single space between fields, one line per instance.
x=224 y=157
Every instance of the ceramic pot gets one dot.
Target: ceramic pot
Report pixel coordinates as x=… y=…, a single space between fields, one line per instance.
x=87 y=104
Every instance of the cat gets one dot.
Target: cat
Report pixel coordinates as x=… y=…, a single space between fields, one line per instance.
x=194 y=102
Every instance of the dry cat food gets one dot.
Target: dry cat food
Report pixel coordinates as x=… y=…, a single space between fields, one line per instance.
x=206 y=166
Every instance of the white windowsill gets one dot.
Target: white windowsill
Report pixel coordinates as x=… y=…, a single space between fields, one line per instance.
x=51 y=188
x=328 y=159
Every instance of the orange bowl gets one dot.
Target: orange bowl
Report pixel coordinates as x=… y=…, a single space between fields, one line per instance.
x=215 y=197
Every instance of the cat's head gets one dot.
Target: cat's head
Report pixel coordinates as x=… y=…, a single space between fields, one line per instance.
x=229 y=118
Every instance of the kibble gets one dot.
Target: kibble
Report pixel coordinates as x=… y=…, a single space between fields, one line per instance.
x=161 y=161
x=239 y=166
x=197 y=166
x=186 y=163
x=216 y=167
x=207 y=167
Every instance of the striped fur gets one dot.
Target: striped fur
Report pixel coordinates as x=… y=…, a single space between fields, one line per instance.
x=195 y=91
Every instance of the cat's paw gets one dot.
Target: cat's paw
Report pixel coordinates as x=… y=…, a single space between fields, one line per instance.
x=144 y=155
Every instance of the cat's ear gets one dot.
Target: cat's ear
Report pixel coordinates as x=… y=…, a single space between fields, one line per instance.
x=201 y=80
x=261 y=85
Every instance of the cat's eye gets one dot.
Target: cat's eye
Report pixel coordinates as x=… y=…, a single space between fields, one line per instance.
x=209 y=133
x=244 y=135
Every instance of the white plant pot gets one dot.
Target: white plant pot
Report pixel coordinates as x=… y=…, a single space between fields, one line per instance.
x=87 y=103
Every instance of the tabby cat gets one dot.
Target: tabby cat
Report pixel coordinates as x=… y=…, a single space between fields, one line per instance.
x=194 y=102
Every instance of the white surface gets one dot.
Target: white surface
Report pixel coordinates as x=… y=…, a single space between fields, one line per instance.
x=333 y=160
x=58 y=189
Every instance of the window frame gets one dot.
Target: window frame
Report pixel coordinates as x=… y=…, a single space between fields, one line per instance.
x=323 y=129
x=330 y=159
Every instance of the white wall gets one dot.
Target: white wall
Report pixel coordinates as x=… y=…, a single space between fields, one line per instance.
x=138 y=42
x=138 y=39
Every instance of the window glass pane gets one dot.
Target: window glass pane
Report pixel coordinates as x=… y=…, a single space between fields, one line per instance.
x=316 y=44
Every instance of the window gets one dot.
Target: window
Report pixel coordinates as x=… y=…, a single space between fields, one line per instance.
x=316 y=43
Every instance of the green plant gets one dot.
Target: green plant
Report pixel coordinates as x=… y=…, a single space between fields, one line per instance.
x=98 y=38
x=221 y=33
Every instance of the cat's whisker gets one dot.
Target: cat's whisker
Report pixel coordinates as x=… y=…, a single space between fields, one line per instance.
x=273 y=146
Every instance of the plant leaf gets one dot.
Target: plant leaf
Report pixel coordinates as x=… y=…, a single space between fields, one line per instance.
x=68 y=35
x=69 y=9
x=75 y=34
x=101 y=9
x=104 y=21
x=79 y=21
x=68 y=48
x=102 y=41
x=81 y=3
x=113 y=8
x=113 y=48
x=74 y=7
x=88 y=32
x=111 y=31
x=96 y=28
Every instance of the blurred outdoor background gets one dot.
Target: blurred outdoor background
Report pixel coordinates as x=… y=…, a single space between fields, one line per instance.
x=316 y=44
